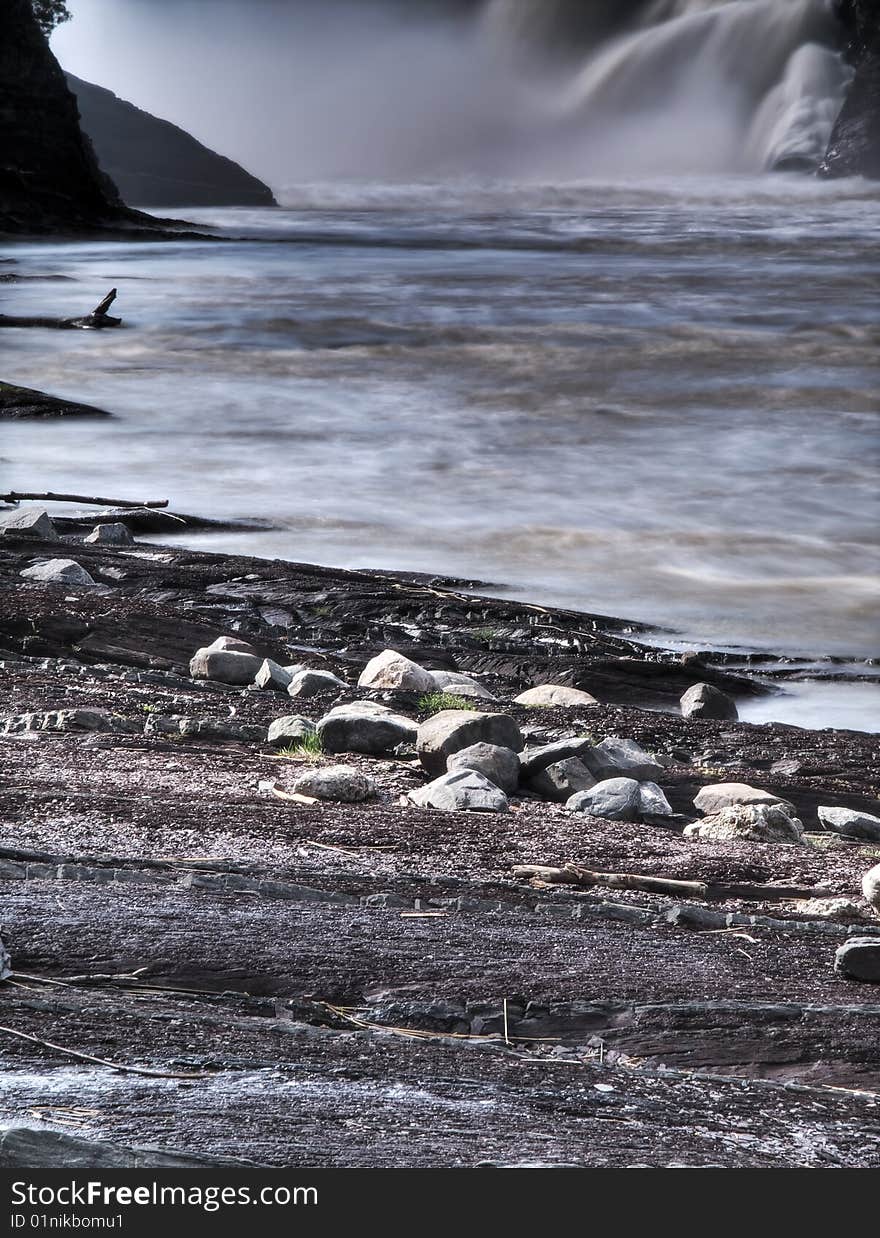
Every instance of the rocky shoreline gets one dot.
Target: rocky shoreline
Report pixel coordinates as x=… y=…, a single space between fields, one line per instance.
x=451 y=868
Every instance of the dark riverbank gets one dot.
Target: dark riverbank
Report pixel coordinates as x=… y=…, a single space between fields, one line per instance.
x=198 y=924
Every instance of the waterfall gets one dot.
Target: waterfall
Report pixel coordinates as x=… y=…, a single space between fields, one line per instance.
x=694 y=86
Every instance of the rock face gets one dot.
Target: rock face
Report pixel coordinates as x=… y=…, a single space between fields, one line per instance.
x=154 y=163
x=533 y=760
x=29 y=522
x=851 y=823
x=58 y=572
x=310 y=683
x=859 y=959
x=272 y=677
x=225 y=666
x=363 y=728
x=727 y=794
x=49 y=176
x=854 y=145
x=561 y=780
x=289 y=730
x=759 y=823
x=454 y=729
x=621 y=799
x=621 y=758
x=554 y=694
x=462 y=790
x=705 y=701
x=871 y=886
x=339 y=783
x=499 y=765
x=390 y=671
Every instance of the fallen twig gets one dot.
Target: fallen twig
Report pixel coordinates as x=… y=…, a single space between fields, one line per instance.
x=573 y=874
x=101 y=1061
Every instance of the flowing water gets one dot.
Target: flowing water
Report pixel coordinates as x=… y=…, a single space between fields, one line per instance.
x=653 y=396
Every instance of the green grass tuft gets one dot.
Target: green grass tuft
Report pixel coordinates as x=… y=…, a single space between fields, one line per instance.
x=309 y=748
x=434 y=702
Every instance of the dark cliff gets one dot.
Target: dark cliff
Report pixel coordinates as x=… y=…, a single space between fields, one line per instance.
x=154 y=163
x=854 y=147
x=49 y=176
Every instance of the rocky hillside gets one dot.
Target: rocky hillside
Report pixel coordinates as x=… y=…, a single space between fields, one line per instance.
x=156 y=164
x=854 y=148
x=49 y=176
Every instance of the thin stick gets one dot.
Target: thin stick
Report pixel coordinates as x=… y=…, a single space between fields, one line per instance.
x=50 y=497
x=506 y=1025
x=102 y=1061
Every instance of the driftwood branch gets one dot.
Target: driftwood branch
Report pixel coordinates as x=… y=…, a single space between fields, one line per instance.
x=49 y=496
x=573 y=874
x=96 y=319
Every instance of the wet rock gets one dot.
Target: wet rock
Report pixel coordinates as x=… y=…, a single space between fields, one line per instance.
x=40 y=1148
x=461 y=790
x=70 y=720
x=704 y=700
x=453 y=729
x=5 y=961
x=340 y=783
x=309 y=683
x=272 y=677
x=533 y=760
x=361 y=727
x=760 y=823
x=460 y=685
x=29 y=522
x=289 y=730
x=851 y=823
x=859 y=959
x=225 y=666
x=390 y=671
x=561 y=780
x=58 y=572
x=547 y=694
x=110 y=534
x=720 y=795
x=621 y=799
x=871 y=886
x=621 y=758
x=499 y=765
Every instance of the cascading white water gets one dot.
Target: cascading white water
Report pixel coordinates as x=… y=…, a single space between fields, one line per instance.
x=698 y=85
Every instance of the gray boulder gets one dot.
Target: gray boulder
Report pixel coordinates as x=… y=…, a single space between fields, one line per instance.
x=460 y=685
x=358 y=728
x=461 y=790
x=851 y=823
x=309 y=683
x=29 y=522
x=499 y=765
x=230 y=644
x=547 y=694
x=621 y=758
x=871 y=886
x=561 y=780
x=225 y=666
x=289 y=730
x=720 y=795
x=110 y=534
x=533 y=760
x=859 y=959
x=340 y=783
x=703 y=700
x=759 y=823
x=453 y=729
x=220 y=730
x=272 y=677
x=58 y=572
x=621 y=799
x=390 y=671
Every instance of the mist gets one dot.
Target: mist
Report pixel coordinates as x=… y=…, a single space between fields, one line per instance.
x=316 y=90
